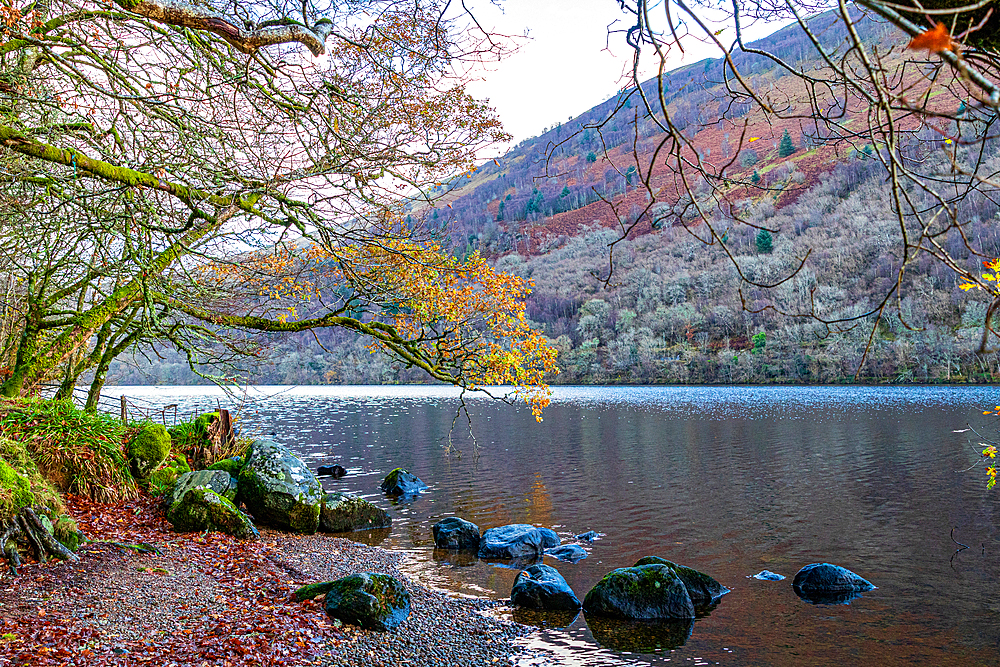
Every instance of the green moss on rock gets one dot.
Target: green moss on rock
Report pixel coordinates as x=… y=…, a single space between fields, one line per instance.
x=203 y=509
x=148 y=449
x=15 y=491
x=231 y=465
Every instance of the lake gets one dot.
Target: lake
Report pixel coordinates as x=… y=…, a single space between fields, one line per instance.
x=728 y=480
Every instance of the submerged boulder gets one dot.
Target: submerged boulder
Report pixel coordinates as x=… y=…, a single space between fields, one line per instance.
x=767 y=575
x=455 y=533
x=542 y=587
x=517 y=540
x=336 y=471
x=370 y=600
x=824 y=583
x=589 y=536
x=344 y=512
x=278 y=488
x=219 y=481
x=402 y=483
x=703 y=589
x=571 y=553
x=640 y=592
x=201 y=508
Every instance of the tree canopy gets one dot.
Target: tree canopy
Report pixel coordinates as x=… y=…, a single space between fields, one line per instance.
x=193 y=173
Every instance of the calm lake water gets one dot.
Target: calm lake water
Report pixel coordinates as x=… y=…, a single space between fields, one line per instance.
x=730 y=481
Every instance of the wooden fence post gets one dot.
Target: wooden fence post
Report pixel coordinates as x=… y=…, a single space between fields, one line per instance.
x=124 y=412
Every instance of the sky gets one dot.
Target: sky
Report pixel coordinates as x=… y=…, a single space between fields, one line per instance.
x=569 y=63
x=563 y=69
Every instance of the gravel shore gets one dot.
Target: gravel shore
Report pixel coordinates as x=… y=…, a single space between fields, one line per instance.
x=208 y=599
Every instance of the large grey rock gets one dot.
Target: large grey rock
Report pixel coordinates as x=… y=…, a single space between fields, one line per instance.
x=370 y=600
x=542 y=587
x=200 y=508
x=824 y=583
x=642 y=592
x=402 y=483
x=344 y=512
x=518 y=540
x=703 y=589
x=278 y=488
x=455 y=533
x=219 y=481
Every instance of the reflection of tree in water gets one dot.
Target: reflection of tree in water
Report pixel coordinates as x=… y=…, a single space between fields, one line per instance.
x=545 y=619
x=539 y=503
x=639 y=636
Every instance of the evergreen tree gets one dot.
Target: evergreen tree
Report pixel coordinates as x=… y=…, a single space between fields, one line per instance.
x=565 y=191
x=786 y=147
x=764 y=242
x=591 y=156
x=755 y=179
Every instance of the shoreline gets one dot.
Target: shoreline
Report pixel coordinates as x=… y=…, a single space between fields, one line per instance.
x=210 y=599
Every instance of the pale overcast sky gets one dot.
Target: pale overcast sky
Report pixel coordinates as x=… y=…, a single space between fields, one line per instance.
x=568 y=66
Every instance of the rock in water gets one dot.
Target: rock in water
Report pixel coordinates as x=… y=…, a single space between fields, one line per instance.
x=518 y=540
x=571 y=553
x=455 y=533
x=203 y=509
x=549 y=538
x=335 y=471
x=343 y=512
x=370 y=600
x=278 y=488
x=823 y=583
x=767 y=575
x=643 y=592
x=589 y=536
x=219 y=481
x=401 y=483
x=542 y=587
x=703 y=589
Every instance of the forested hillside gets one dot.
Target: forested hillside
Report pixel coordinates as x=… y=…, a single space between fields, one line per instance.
x=676 y=309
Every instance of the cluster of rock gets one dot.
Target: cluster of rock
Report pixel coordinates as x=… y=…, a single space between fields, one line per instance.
x=658 y=589
x=517 y=541
x=276 y=488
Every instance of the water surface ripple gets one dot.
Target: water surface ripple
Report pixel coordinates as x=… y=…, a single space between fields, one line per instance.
x=728 y=480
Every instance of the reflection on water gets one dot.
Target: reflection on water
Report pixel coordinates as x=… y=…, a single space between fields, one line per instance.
x=730 y=481
x=639 y=636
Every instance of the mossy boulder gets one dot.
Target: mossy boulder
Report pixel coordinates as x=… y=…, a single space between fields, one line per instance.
x=344 y=512
x=455 y=533
x=65 y=530
x=642 y=592
x=279 y=490
x=703 y=589
x=542 y=587
x=231 y=465
x=163 y=479
x=148 y=449
x=368 y=599
x=219 y=481
x=399 y=482
x=203 y=509
x=22 y=483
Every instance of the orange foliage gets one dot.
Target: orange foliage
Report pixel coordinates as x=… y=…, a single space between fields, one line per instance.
x=935 y=40
x=462 y=314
